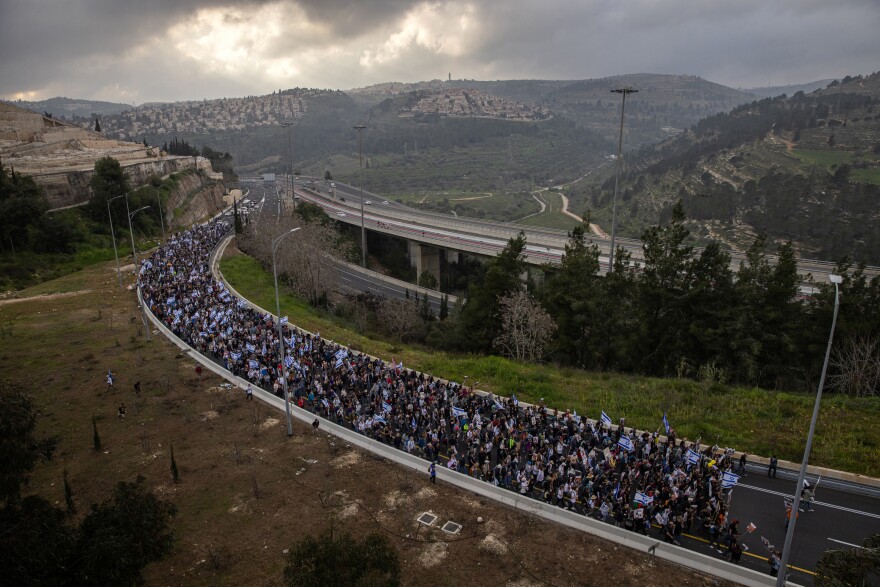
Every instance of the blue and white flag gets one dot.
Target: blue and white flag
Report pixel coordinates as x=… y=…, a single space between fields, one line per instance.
x=325 y=403
x=515 y=401
x=338 y=363
x=692 y=457
x=170 y=301
x=643 y=499
x=616 y=490
x=288 y=361
x=605 y=418
x=235 y=356
x=341 y=354
x=110 y=377
x=250 y=347
x=459 y=412
x=253 y=364
x=379 y=419
x=625 y=443
x=728 y=480
x=498 y=405
x=666 y=423
x=413 y=423
x=386 y=407
x=284 y=321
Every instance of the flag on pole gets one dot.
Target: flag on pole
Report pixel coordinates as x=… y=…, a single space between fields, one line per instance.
x=692 y=457
x=616 y=490
x=379 y=419
x=643 y=499
x=459 y=412
x=386 y=407
x=625 y=443
x=728 y=479
x=284 y=321
x=605 y=418
x=666 y=423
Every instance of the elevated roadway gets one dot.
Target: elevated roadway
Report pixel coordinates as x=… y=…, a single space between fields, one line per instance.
x=483 y=237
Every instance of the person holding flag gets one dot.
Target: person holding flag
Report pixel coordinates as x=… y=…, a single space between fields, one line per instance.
x=605 y=419
x=666 y=425
x=110 y=379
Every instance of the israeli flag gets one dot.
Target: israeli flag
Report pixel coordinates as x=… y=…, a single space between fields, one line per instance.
x=728 y=480
x=666 y=423
x=284 y=321
x=250 y=347
x=288 y=361
x=605 y=418
x=253 y=364
x=338 y=363
x=643 y=499
x=616 y=490
x=413 y=423
x=341 y=354
x=176 y=320
x=625 y=443
x=379 y=419
x=170 y=301
x=325 y=403
x=459 y=412
x=498 y=406
x=386 y=407
x=515 y=401
x=235 y=356
x=692 y=457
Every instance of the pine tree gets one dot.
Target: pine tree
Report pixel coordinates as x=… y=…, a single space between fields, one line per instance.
x=444 y=307
x=97 y=125
x=238 y=227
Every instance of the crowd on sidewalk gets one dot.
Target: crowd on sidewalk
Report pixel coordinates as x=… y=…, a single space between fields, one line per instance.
x=645 y=482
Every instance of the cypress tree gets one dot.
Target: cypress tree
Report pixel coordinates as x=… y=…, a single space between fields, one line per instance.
x=444 y=307
x=68 y=495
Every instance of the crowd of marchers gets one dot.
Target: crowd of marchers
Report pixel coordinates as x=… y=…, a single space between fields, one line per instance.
x=642 y=481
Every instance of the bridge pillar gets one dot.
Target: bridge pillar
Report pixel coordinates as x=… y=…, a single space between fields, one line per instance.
x=424 y=258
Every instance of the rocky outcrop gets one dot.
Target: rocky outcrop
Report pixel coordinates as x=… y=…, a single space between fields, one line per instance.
x=195 y=197
x=61 y=157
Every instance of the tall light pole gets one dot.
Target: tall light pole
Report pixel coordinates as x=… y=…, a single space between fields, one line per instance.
x=290 y=185
x=624 y=92
x=113 y=236
x=275 y=244
x=161 y=217
x=359 y=128
x=131 y=232
x=786 y=549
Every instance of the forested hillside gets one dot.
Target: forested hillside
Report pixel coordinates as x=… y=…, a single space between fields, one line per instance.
x=804 y=168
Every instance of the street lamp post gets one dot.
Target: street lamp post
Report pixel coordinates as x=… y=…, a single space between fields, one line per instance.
x=290 y=184
x=113 y=236
x=131 y=232
x=786 y=549
x=275 y=244
x=359 y=128
x=624 y=92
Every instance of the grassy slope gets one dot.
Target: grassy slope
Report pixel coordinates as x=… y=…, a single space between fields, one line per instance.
x=755 y=420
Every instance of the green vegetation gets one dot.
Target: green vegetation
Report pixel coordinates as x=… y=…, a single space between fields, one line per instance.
x=752 y=419
x=552 y=216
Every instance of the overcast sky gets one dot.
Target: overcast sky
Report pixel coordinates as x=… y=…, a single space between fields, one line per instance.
x=136 y=51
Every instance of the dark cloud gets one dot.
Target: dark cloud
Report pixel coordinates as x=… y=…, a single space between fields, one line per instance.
x=123 y=48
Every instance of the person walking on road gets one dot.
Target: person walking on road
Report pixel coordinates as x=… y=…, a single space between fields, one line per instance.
x=742 y=465
x=807 y=497
x=771 y=470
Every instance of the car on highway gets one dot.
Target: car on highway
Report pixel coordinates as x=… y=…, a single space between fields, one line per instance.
x=385 y=203
x=341 y=214
x=367 y=203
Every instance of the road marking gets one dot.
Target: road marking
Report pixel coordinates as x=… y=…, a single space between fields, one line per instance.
x=822 y=503
x=847 y=543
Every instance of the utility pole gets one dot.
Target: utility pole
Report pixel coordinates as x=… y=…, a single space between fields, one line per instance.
x=359 y=128
x=289 y=174
x=624 y=92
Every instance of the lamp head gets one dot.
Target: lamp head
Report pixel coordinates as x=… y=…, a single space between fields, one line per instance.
x=835 y=278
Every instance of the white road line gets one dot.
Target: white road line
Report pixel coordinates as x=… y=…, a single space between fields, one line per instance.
x=847 y=543
x=830 y=505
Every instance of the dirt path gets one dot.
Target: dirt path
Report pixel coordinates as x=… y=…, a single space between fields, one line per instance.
x=43 y=297
x=471 y=198
x=595 y=228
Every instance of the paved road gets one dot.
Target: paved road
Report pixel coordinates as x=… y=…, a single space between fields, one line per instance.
x=840 y=519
